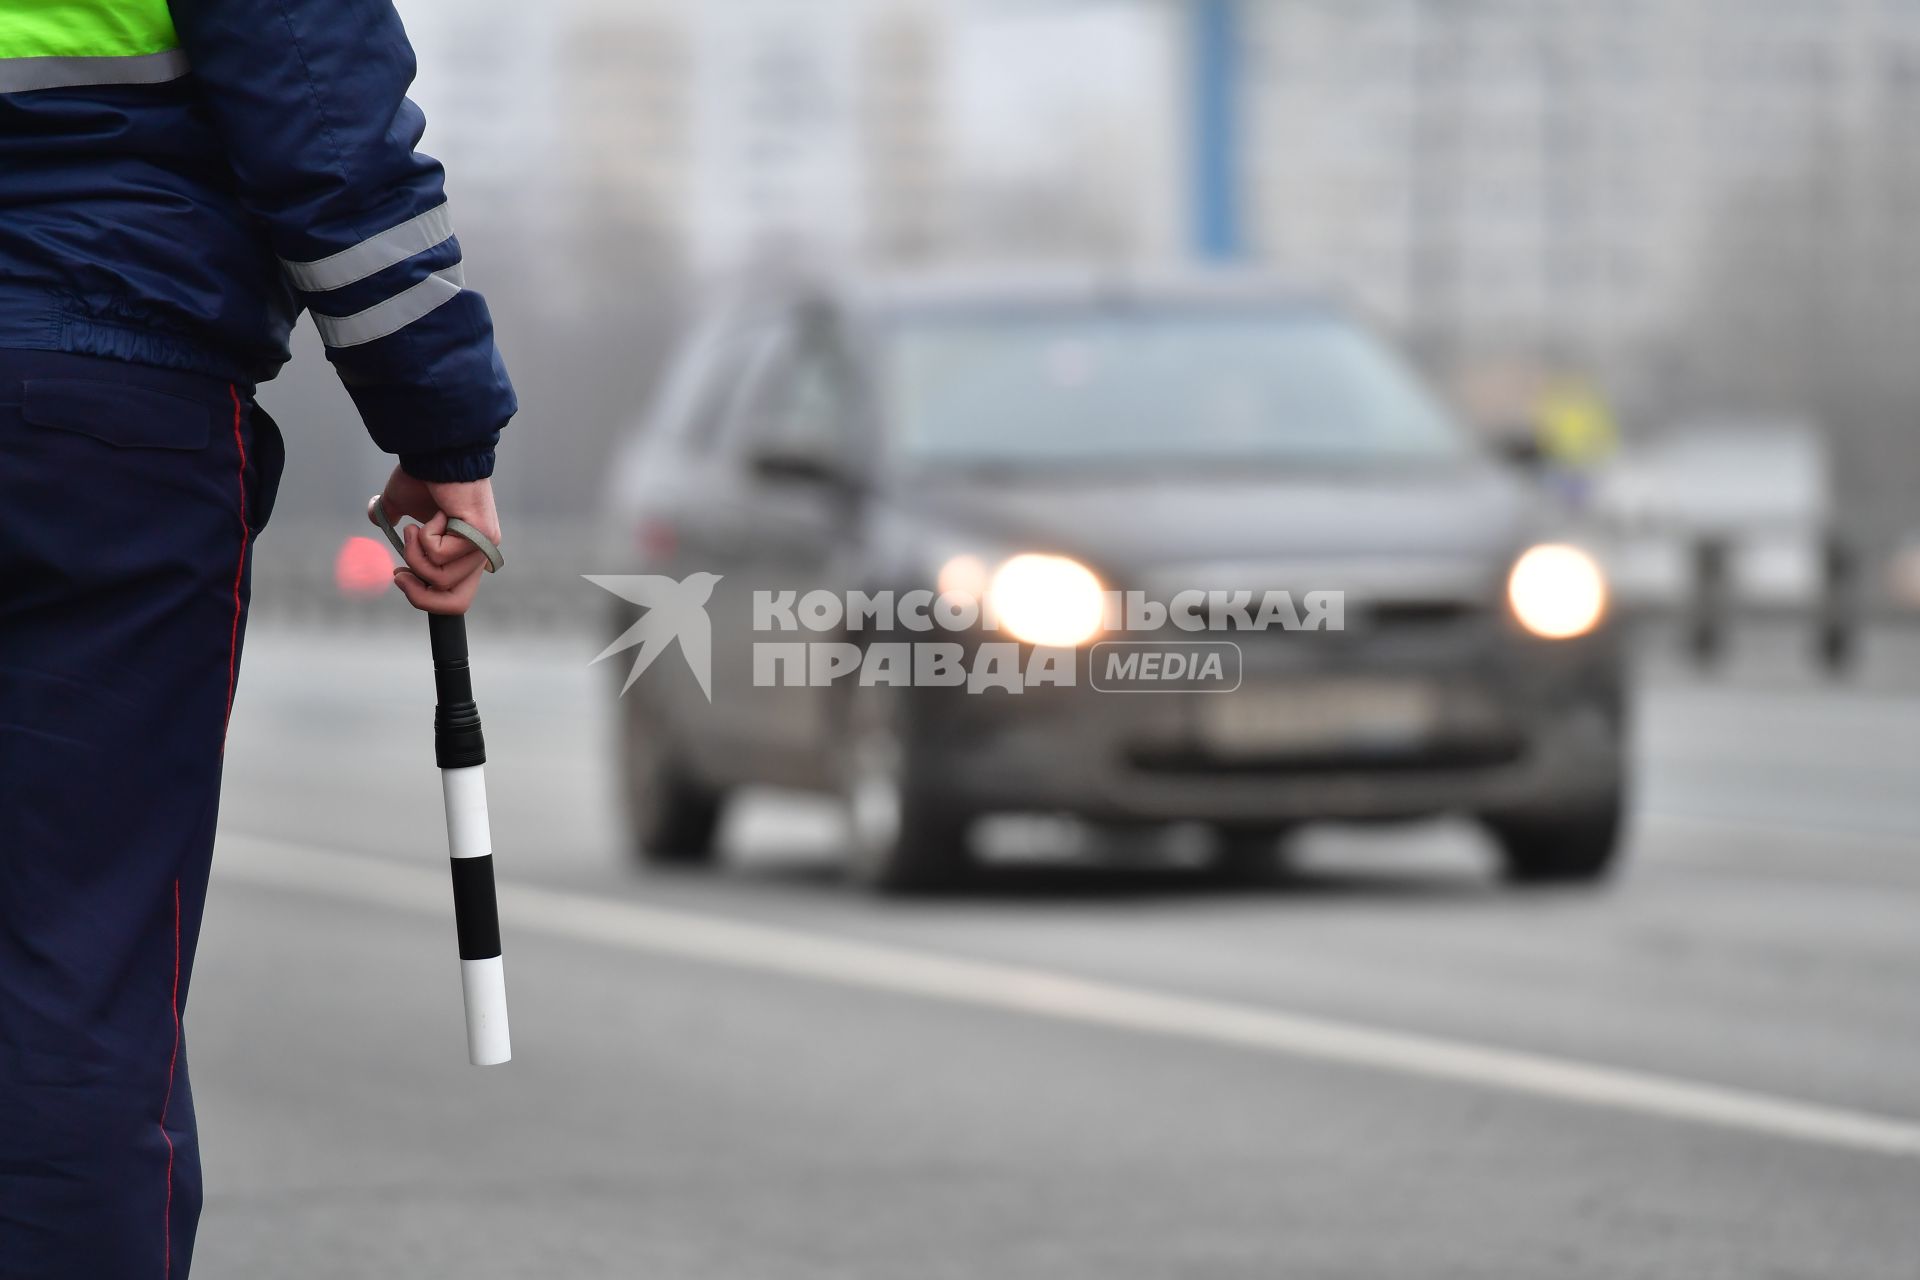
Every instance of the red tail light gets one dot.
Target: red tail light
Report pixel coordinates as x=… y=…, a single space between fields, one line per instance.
x=364 y=567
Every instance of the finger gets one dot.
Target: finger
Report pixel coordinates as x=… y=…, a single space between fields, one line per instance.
x=441 y=547
x=463 y=558
x=444 y=577
x=445 y=548
x=429 y=600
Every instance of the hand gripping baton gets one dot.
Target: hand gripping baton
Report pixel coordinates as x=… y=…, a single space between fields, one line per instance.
x=461 y=753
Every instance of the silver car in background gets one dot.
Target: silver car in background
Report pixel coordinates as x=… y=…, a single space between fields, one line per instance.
x=1037 y=445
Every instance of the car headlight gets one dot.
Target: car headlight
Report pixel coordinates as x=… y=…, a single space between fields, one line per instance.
x=1049 y=601
x=1557 y=591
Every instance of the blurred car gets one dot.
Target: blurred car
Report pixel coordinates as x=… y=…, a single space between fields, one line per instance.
x=1034 y=444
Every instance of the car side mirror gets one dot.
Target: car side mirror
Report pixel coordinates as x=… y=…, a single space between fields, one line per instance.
x=798 y=466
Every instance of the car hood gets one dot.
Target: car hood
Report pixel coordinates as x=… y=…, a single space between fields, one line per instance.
x=1470 y=516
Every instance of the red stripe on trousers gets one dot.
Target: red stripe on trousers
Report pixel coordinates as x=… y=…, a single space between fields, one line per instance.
x=233 y=663
x=240 y=567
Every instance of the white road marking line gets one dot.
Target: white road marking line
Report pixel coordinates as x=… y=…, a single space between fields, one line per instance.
x=1037 y=992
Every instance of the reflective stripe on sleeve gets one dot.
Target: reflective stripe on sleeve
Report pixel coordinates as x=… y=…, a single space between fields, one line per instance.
x=375 y=253
x=24 y=75
x=393 y=315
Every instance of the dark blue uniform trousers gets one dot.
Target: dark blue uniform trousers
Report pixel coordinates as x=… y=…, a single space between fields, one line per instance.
x=129 y=501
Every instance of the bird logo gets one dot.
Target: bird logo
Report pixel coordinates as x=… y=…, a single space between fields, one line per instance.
x=675 y=610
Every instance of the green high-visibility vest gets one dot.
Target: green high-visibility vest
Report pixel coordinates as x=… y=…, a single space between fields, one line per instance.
x=59 y=44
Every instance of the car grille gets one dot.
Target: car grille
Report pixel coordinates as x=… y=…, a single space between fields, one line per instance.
x=1416 y=614
x=1483 y=753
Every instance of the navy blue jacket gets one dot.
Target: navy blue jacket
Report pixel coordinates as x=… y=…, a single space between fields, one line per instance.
x=185 y=223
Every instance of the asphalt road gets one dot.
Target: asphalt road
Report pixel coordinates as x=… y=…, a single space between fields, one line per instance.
x=1383 y=1066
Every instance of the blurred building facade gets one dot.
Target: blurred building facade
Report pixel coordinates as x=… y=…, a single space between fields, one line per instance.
x=1644 y=190
x=1508 y=166
x=866 y=132
x=1506 y=174
x=631 y=136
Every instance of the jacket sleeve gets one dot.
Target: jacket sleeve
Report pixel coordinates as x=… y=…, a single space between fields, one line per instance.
x=310 y=99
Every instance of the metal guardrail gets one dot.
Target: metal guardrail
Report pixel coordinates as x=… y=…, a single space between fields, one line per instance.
x=1835 y=617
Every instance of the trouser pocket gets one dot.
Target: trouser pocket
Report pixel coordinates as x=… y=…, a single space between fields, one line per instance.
x=266 y=459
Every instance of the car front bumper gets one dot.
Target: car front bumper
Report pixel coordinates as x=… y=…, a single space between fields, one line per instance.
x=1518 y=727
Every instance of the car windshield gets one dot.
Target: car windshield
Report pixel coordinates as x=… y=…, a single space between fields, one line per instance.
x=1106 y=389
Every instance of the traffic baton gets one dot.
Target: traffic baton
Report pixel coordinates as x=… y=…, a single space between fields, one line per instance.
x=461 y=753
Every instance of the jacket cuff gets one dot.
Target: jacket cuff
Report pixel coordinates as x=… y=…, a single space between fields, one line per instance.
x=450 y=465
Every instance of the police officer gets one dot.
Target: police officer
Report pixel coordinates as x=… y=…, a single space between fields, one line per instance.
x=178 y=180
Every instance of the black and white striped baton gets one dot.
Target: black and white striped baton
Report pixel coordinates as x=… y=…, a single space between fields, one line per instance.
x=461 y=753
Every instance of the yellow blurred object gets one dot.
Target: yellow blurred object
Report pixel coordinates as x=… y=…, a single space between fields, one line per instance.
x=1573 y=425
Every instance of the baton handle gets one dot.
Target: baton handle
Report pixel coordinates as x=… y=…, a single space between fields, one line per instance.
x=461 y=752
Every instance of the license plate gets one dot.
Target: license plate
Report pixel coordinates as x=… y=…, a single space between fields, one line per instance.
x=1328 y=715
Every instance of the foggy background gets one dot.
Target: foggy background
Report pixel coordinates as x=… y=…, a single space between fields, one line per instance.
x=1701 y=209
